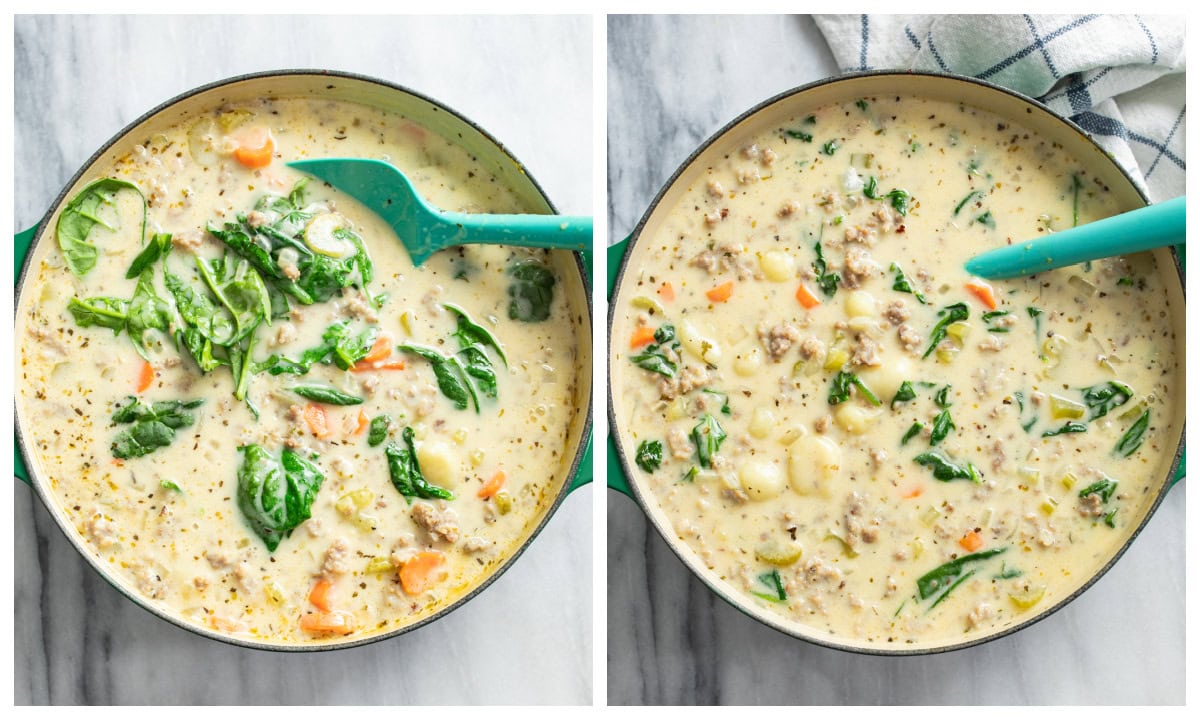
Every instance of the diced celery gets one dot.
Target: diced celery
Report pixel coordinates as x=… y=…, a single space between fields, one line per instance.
x=1030 y=477
x=647 y=303
x=918 y=548
x=1082 y=285
x=274 y=593
x=846 y=549
x=1061 y=407
x=862 y=160
x=779 y=553
x=1069 y=480
x=1048 y=505
x=1028 y=598
x=354 y=501
x=459 y=437
x=958 y=330
x=236 y=117
x=406 y=322
x=365 y=522
x=930 y=516
x=836 y=359
x=946 y=355
x=476 y=458
x=377 y=565
x=503 y=502
x=676 y=410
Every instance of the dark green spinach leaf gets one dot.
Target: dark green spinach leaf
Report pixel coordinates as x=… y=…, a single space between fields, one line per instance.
x=708 y=436
x=405 y=471
x=1132 y=439
x=945 y=469
x=949 y=314
x=83 y=213
x=276 y=495
x=531 y=292
x=903 y=284
x=649 y=455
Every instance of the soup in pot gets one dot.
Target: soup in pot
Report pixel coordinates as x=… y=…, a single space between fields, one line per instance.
x=259 y=416
x=849 y=431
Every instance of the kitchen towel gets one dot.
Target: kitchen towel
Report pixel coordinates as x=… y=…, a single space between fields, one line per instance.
x=1119 y=77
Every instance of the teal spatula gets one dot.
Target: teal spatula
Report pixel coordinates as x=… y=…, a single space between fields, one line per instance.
x=1142 y=229
x=425 y=229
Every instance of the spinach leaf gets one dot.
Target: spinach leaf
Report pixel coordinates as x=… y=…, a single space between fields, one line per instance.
x=723 y=397
x=1110 y=518
x=970 y=196
x=898 y=198
x=903 y=284
x=276 y=495
x=405 y=471
x=904 y=393
x=664 y=334
x=200 y=348
x=690 y=475
x=653 y=358
x=1106 y=396
x=839 y=392
x=942 y=425
x=339 y=346
x=861 y=104
x=949 y=314
x=649 y=455
x=1068 y=427
x=912 y=431
x=988 y=317
x=708 y=436
x=207 y=319
x=242 y=294
x=451 y=378
x=1007 y=573
x=153 y=425
x=109 y=312
x=942 y=397
x=945 y=469
x=773 y=581
x=799 y=135
x=158 y=247
x=1132 y=439
x=326 y=394
x=471 y=333
x=531 y=291
x=83 y=213
x=1105 y=487
x=827 y=281
x=379 y=430
x=830 y=147
x=944 y=578
x=986 y=220
x=147 y=311
x=479 y=369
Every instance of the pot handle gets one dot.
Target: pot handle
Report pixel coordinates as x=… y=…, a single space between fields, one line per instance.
x=616 y=477
x=21 y=243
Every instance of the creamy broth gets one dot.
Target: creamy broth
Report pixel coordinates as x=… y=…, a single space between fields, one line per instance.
x=169 y=524
x=869 y=445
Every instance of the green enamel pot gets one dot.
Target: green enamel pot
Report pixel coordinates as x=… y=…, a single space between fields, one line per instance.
x=626 y=478
x=573 y=269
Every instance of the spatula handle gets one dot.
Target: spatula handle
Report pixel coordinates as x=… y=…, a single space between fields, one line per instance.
x=1142 y=229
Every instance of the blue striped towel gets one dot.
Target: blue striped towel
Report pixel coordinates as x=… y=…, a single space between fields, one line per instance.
x=1119 y=77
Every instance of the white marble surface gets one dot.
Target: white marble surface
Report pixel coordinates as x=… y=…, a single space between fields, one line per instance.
x=672 y=82
x=528 y=638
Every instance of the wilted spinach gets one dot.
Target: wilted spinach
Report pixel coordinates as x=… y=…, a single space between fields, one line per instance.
x=276 y=495
x=945 y=469
x=649 y=455
x=903 y=284
x=708 y=436
x=153 y=425
x=83 y=213
x=949 y=314
x=405 y=471
x=531 y=291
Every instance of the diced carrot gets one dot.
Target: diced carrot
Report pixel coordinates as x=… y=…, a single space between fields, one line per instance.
x=255 y=148
x=118 y=462
x=219 y=623
x=319 y=595
x=913 y=492
x=381 y=349
x=642 y=336
x=336 y=621
x=984 y=292
x=317 y=421
x=971 y=541
x=145 y=377
x=363 y=422
x=806 y=298
x=722 y=292
x=420 y=572
x=389 y=365
x=491 y=487
x=666 y=292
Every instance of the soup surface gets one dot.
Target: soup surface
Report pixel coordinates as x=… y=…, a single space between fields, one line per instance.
x=847 y=429
x=260 y=415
